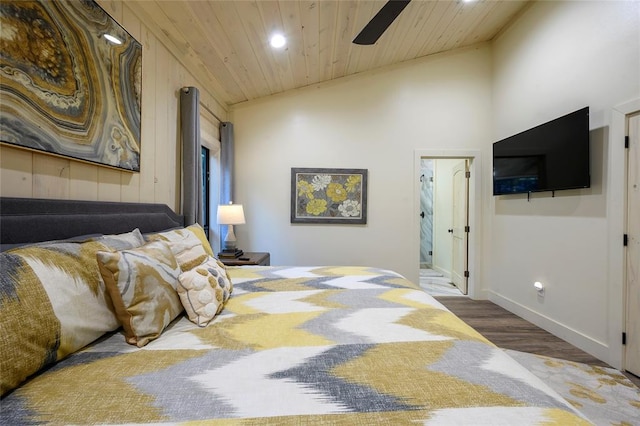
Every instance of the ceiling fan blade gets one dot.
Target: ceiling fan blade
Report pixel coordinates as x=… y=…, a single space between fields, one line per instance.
x=379 y=23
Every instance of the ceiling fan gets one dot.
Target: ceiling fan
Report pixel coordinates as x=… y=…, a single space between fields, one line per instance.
x=379 y=23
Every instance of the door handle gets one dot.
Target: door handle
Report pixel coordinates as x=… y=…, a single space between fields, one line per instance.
x=450 y=231
x=422 y=215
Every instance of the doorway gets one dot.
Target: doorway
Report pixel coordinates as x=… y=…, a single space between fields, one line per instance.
x=426 y=213
x=444 y=224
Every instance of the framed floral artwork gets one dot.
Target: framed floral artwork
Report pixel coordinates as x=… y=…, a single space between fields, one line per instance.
x=329 y=196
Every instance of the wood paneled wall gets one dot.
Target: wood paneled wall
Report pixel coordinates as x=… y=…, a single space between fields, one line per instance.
x=26 y=173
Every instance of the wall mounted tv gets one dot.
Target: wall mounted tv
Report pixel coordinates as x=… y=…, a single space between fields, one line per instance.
x=548 y=157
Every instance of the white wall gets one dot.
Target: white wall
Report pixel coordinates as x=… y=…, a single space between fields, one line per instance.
x=556 y=58
x=375 y=121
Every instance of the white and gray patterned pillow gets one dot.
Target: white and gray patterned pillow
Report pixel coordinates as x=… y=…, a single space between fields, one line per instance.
x=204 y=290
x=123 y=241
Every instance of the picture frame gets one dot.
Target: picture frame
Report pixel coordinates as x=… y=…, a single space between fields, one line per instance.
x=329 y=196
x=81 y=98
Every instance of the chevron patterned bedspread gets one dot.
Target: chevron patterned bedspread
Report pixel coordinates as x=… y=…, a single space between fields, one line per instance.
x=298 y=345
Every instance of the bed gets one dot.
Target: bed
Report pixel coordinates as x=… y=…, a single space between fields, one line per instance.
x=286 y=345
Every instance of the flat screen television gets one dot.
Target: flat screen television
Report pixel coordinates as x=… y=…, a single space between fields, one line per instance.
x=549 y=157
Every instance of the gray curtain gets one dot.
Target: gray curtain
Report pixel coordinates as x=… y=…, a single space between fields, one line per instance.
x=226 y=170
x=191 y=155
x=226 y=163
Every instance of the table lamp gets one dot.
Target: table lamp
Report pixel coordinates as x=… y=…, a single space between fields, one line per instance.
x=230 y=214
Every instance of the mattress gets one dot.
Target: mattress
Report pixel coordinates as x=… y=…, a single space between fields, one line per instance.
x=298 y=345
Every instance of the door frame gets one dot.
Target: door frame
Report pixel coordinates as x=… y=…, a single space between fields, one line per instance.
x=475 y=223
x=616 y=211
x=628 y=258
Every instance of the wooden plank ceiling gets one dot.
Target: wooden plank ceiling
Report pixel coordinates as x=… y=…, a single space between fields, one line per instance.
x=226 y=43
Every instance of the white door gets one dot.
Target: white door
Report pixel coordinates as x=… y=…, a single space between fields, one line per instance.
x=460 y=225
x=632 y=348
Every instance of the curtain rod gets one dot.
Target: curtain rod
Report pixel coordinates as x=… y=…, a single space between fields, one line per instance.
x=212 y=113
x=186 y=89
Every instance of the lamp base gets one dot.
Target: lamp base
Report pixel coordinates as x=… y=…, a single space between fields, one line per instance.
x=230 y=253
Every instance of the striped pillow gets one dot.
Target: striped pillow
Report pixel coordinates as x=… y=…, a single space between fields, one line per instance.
x=52 y=303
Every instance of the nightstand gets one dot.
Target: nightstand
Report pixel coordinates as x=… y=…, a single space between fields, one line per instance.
x=248 y=258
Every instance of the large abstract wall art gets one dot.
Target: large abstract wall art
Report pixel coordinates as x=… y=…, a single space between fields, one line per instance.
x=64 y=87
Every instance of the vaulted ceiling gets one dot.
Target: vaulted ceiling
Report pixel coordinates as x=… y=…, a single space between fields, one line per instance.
x=226 y=43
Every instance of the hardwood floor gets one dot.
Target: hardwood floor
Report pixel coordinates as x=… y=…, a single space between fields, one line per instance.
x=509 y=331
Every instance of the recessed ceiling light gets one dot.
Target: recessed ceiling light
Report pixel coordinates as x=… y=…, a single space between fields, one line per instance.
x=278 y=41
x=112 y=39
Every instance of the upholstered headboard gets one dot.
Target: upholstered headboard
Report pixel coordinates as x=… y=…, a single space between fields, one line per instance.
x=29 y=220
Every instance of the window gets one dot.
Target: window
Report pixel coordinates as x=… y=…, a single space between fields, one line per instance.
x=210 y=155
x=206 y=173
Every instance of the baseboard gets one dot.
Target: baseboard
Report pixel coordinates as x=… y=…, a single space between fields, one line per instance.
x=591 y=346
x=482 y=294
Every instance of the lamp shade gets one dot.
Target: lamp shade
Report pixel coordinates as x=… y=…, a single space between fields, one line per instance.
x=230 y=214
